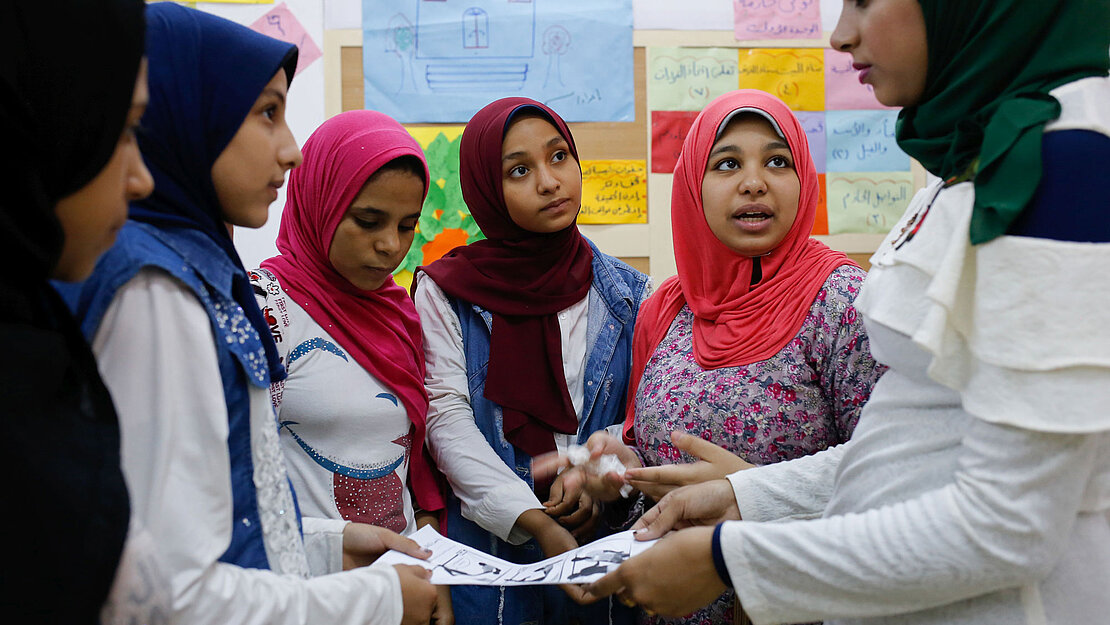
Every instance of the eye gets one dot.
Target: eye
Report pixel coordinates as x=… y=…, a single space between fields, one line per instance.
x=518 y=171
x=779 y=162
x=560 y=155
x=365 y=224
x=727 y=164
x=407 y=226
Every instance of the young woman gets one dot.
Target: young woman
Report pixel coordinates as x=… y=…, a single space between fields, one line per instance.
x=189 y=359
x=352 y=408
x=65 y=197
x=755 y=346
x=528 y=339
x=976 y=488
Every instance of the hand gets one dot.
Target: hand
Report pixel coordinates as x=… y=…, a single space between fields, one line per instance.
x=575 y=510
x=444 y=614
x=673 y=578
x=714 y=463
x=553 y=540
x=417 y=594
x=600 y=487
x=363 y=543
x=701 y=504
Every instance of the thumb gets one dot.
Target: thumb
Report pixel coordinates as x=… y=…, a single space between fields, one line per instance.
x=700 y=448
x=407 y=546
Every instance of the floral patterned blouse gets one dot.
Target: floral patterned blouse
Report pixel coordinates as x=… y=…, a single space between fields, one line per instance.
x=800 y=401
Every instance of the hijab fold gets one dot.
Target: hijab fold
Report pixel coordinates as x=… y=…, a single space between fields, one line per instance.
x=736 y=321
x=523 y=278
x=379 y=328
x=209 y=74
x=986 y=102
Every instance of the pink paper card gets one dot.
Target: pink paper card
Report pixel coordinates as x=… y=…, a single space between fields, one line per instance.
x=668 y=131
x=280 y=23
x=776 y=19
x=843 y=90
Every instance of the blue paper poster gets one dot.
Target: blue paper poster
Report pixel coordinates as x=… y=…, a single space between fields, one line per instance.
x=442 y=60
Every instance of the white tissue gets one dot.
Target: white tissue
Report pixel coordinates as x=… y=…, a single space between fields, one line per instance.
x=579 y=455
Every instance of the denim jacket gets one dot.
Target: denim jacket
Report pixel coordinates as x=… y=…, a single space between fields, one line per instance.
x=614 y=302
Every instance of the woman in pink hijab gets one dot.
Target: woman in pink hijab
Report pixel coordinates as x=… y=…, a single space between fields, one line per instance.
x=352 y=409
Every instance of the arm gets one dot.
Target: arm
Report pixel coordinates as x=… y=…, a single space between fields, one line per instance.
x=491 y=494
x=795 y=489
x=156 y=352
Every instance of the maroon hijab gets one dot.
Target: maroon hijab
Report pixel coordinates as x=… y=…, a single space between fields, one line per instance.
x=523 y=278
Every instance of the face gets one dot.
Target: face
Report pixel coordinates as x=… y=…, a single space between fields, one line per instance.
x=92 y=215
x=750 y=189
x=251 y=169
x=376 y=233
x=541 y=181
x=887 y=41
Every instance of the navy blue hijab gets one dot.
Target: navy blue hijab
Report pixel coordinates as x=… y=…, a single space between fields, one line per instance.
x=205 y=75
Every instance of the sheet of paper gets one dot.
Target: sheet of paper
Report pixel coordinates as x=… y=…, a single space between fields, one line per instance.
x=280 y=23
x=454 y=564
x=614 y=192
x=867 y=202
x=863 y=141
x=668 y=131
x=795 y=75
x=684 y=15
x=442 y=61
x=843 y=90
x=686 y=79
x=776 y=19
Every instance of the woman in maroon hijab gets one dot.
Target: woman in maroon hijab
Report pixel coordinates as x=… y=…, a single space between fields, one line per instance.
x=528 y=338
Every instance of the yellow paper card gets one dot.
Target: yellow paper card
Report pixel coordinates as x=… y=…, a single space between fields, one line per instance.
x=795 y=75
x=614 y=192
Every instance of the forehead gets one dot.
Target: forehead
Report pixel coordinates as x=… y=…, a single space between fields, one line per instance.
x=528 y=132
x=749 y=128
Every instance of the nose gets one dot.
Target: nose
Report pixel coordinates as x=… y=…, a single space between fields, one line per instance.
x=546 y=182
x=845 y=37
x=752 y=184
x=388 y=242
x=289 y=154
x=140 y=183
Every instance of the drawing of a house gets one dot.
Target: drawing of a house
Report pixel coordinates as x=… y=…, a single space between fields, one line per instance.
x=473 y=45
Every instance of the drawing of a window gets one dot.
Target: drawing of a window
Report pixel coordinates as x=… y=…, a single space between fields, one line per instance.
x=475 y=27
x=470 y=45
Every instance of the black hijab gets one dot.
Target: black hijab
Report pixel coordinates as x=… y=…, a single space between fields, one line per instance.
x=66 y=83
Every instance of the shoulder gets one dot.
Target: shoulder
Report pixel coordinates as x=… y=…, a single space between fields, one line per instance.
x=838 y=293
x=612 y=272
x=1070 y=201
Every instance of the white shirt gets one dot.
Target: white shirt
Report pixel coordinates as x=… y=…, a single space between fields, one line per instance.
x=491 y=494
x=156 y=352
x=976 y=487
x=338 y=422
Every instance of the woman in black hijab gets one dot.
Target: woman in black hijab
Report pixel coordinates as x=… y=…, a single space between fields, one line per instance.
x=72 y=88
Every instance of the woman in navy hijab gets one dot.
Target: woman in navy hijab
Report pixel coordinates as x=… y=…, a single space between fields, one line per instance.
x=189 y=358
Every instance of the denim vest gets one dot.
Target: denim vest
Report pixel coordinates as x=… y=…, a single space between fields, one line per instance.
x=614 y=301
x=204 y=268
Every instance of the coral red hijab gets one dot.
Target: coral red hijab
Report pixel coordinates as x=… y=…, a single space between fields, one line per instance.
x=523 y=278
x=735 y=322
x=380 y=328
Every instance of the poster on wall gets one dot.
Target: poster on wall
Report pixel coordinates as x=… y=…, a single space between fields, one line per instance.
x=865 y=177
x=439 y=61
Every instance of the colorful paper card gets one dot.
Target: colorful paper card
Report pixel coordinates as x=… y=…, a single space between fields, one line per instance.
x=867 y=202
x=686 y=79
x=814 y=125
x=441 y=61
x=843 y=90
x=863 y=141
x=668 y=131
x=795 y=75
x=821 y=220
x=614 y=192
x=776 y=19
x=280 y=23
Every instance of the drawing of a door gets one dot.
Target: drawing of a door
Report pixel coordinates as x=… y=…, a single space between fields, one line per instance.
x=476 y=45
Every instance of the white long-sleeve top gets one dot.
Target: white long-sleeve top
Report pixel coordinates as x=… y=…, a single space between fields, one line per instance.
x=976 y=487
x=155 y=349
x=490 y=493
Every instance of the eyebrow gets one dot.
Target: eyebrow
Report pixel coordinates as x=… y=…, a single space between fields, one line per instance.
x=557 y=139
x=773 y=145
x=377 y=212
x=274 y=92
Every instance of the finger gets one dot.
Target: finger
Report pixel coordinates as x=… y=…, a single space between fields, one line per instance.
x=701 y=448
x=578 y=594
x=548 y=465
x=406 y=546
x=555 y=494
x=663 y=474
x=610 y=583
x=664 y=522
x=653 y=490
x=647 y=518
x=578 y=517
x=414 y=570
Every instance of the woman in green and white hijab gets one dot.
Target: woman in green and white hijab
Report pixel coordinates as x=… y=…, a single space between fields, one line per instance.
x=976 y=487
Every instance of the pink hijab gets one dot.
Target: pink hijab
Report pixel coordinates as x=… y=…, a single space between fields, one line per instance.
x=735 y=322
x=380 y=328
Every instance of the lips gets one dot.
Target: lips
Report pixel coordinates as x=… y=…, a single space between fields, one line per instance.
x=753 y=213
x=555 y=204
x=864 y=70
